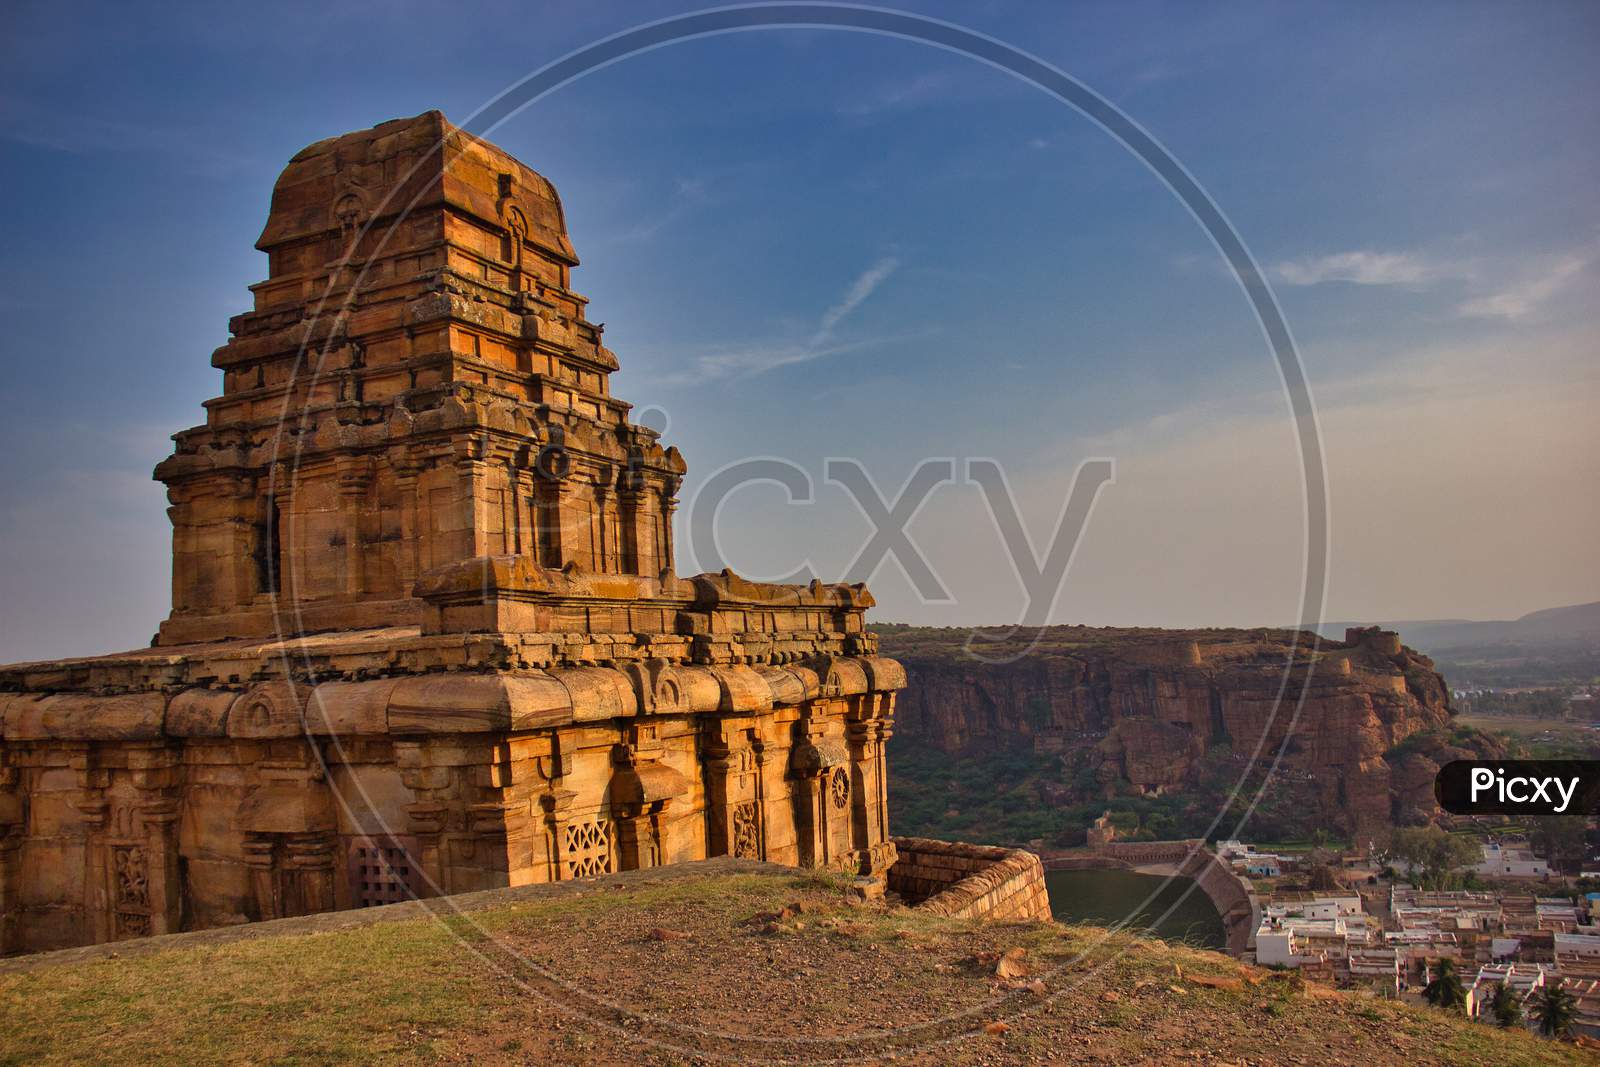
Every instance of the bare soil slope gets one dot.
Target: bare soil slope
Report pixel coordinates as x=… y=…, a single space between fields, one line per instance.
x=724 y=962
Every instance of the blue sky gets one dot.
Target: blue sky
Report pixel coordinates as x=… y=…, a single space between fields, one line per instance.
x=815 y=244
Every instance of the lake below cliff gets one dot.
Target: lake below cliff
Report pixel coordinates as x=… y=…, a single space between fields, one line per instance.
x=1104 y=897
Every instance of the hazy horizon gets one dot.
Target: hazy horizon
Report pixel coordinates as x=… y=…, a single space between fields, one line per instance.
x=813 y=244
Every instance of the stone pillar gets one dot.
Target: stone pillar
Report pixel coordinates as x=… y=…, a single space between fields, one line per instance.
x=602 y=537
x=165 y=889
x=426 y=820
x=240 y=578
x=631 y=547
x=259 y=850
x=868 y=731
x=719 y=762
x=640 y=837
x=288 y=574
x=472 y=478
x=96 y=810
x=556 y=810
x=406 y=475
x=669 y=504
x=12 y=831
x=308 y=872
x=354 y=480
x=554 y=495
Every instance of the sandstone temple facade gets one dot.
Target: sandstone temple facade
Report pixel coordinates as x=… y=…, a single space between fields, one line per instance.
x=426 y=635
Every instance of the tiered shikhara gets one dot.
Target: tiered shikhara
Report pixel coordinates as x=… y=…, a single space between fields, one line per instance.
x=426 y=636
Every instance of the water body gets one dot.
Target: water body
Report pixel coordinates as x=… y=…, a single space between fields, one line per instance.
x=1105 y=897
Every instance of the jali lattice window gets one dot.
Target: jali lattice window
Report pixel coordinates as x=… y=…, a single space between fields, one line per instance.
x=381 y=872
x=587 y=848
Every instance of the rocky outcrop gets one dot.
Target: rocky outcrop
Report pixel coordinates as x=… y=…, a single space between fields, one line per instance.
x=1153 y=711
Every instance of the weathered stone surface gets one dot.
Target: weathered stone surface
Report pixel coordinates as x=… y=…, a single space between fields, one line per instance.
x=1154 y=705
x=426 y=635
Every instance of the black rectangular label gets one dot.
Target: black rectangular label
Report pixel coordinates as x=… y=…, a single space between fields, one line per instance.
x=1519 y=787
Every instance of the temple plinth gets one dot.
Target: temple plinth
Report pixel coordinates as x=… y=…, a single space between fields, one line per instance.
x=426 y=632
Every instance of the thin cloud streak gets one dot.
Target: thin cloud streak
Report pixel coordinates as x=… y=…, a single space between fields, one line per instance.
x=1363 y=268
x=1522 y=299
x=862 y=288
x=744 y=361
x=1538 y=279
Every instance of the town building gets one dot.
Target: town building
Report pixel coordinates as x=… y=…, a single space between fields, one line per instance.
x=1507 y=861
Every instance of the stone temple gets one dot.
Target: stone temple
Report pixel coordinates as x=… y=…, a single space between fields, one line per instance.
x=426 y=634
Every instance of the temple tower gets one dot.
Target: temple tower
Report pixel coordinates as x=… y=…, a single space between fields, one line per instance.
x=417 y=385
x=426 y=634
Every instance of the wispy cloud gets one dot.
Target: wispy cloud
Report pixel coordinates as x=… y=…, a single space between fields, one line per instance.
x=1525 y=296
x=864 y=286
x=688 y=195
x=897 y=96
x=1511 y=288
x=25 y=123
x=1363 y=268
x=738 y=361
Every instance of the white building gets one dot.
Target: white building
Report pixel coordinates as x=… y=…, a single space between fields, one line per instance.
x=1523 y=978
x=1577 y=953
x=1503 y=861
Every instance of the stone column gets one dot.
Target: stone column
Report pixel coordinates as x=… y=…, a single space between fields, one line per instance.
x=426 y=820
x=718 y=761
x=259 y=849
x=639 y=837
x=96 y=810
x=669 y=504
x=12 y=831
x=283 y=499
x=554 y=495
x=354 y=478
x=631 y=549
x=406 y=476
x=308 y=874
x=602 y=541
x=165 y=891
x=556 y=810
x=472 y=477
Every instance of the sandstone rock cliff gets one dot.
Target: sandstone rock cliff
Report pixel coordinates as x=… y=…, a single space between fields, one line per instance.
x=1152 y=710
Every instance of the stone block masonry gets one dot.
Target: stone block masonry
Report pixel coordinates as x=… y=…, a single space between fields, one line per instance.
x=965 y=881
x=426 y=632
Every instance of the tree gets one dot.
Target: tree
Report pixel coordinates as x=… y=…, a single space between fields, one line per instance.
x=1432 y=856
x=1505 y=1007
x=1562 y=840
x=1445 y=990
x=1554 y=1009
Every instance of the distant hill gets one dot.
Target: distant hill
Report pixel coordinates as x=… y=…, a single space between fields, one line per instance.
x=1577 y=624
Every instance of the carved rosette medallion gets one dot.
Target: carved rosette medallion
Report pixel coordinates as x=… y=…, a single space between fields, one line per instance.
x=839 y=788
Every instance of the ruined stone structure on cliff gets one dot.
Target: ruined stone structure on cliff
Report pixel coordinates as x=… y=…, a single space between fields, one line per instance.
x=426 y=635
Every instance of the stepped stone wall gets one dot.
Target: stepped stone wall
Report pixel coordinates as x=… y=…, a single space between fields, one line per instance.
x=969 y=881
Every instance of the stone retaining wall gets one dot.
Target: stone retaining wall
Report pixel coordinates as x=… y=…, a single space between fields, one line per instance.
x=951 y=878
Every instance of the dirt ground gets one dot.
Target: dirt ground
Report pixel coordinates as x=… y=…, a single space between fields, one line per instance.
x=740 y=967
